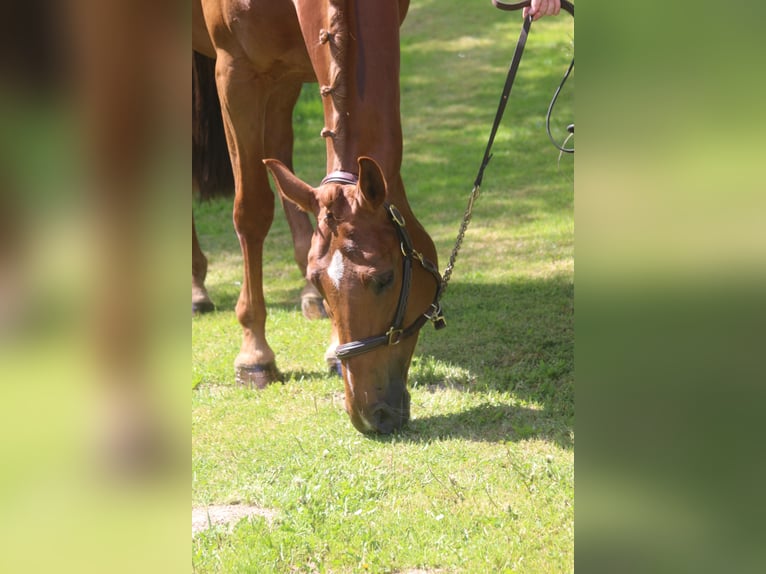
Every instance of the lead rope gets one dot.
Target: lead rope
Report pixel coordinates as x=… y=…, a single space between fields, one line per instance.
x=511 y=76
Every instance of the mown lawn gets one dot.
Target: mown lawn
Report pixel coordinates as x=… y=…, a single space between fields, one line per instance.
x=482 y=479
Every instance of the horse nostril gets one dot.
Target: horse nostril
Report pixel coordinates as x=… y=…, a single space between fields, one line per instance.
x=385 y=419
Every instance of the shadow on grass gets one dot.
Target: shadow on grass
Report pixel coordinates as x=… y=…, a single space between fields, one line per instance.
x=488 y=422
x=289 y=377
x=516 y=336
x=225 y=298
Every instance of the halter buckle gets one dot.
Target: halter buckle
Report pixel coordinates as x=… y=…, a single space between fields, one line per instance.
x=436 y=316
x=395 y=215
x=394 y=336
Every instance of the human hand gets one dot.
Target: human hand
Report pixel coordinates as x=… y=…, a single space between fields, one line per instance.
x=540 y=8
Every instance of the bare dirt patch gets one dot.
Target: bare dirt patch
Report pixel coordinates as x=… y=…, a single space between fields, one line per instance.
x=204 y=517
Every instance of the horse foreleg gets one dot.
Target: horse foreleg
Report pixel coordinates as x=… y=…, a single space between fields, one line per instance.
x=201 y=302
x=279 y=145
x=243 y=104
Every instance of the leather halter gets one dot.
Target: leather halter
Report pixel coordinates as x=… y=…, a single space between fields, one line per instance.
x=396 y=332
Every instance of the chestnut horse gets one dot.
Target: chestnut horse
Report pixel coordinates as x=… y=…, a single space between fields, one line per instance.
x=369 y=257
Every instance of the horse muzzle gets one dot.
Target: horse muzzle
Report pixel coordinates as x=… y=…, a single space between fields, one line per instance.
x=384 y=416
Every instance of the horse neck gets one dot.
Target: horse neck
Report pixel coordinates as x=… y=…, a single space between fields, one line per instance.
x=358 y=73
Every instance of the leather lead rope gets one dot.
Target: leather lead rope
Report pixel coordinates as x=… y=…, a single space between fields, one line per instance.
x=510 y=78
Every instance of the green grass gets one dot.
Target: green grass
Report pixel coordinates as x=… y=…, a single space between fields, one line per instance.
x=482 y=479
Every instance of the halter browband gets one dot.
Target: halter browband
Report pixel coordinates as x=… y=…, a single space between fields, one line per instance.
x=344 y=177
x=396 y=333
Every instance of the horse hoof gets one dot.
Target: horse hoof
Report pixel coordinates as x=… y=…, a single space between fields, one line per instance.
x=313 y=307
x=334 y=368
x=201 y=307
x=258 y=376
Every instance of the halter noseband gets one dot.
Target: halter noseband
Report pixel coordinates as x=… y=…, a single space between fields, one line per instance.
x=395 y=333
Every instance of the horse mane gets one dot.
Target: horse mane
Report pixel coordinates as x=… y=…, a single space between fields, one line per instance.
x=338 y=88
x=364 y=102
x=211 y=165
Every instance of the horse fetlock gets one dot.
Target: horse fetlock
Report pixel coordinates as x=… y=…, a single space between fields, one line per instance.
x=312 y=304
x=201 y=302
x=334 y=366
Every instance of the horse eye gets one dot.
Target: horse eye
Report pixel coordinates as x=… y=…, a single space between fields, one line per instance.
x=382 y=281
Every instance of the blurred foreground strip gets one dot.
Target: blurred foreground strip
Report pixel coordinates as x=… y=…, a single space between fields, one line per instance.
x=94 y=332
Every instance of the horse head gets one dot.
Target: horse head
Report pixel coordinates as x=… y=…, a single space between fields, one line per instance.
x=378 y=281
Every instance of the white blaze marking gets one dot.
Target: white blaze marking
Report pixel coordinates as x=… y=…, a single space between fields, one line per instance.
x=335 y=270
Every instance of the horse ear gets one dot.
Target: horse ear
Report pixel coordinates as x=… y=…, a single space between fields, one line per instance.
x=291 y=187
x=372 y=184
